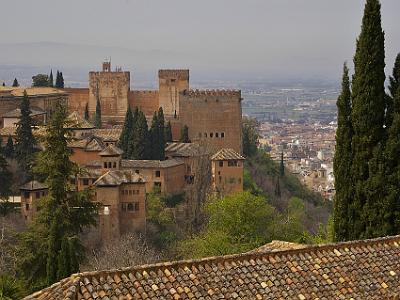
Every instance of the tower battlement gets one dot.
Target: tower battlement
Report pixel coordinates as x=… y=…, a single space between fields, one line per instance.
x=202 y=93
x=182 y=74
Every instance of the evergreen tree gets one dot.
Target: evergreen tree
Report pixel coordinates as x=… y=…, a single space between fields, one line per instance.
x=185 y=135
x=168 y=133
x=9 y=151
x=140 y=141
x=5 y=177
x=161 y=134
x=368 y=112
x=51 y=81
x=249 y=136
x=87 y=112
x=282 y=167
x=61 y=80
x=97 y=116
x=154 y=136
x=277 y=188
x=394 y=82
x=63 y=213
x=4 y=84
x=40 y=80
x=57 y=84
x=15 y=83
x=342 y=160
x=25 y=141
x=127 y=133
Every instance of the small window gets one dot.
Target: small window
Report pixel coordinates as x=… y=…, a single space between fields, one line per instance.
x=43 y=193
x=136 y=206
x=232 y=163
x=157 y=184
x=85 y=181
x=114 y=165
x=137 y=192
x=26 y=206
x=137 y=171
x=211 y=135
x=131 y=207
x=221 y=163
x=222 y=134
x=37 y=195
x=26 y=195
x=109 y=165
x=158 y=173
x=216 y=135
x=105 y=165
x=123 y=206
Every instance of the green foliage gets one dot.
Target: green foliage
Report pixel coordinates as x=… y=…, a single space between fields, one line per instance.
x=51 y=81
x=368 y=118
x=15 y=83
x=5 y=178
x=342 y=161
x=282 y=166
x=185 y=135
x=10 y=289
x=168 y=133
x=25 y=141
x=40 y=80
x=127 y=133
x=86 y=115
x=9 y=151
x=59 y=80
x=140 y=141
x=161 y=134
x=250 y=185
x=97 y=116
x=250 y=136
x=63 y=213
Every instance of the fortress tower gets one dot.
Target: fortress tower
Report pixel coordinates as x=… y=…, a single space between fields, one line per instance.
x=171 y=83
x=111 y=88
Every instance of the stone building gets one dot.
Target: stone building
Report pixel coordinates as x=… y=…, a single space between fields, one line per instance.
x=227 y=171
x=43 y=99
x=214 y=116
x=31 y=193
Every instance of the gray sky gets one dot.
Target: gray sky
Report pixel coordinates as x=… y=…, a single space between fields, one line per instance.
x=255 y=38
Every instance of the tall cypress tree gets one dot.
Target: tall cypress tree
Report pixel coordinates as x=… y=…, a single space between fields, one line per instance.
x=394 y=82
x=9 y=150
x=5 y=177
x=57 y=84
x=61 y=80
x=51 y=81
x=161 y=134
x=15 y=83
x=25 y=141
x=126 y=133
x=368 y=112
x=342 y=160
x=168 y=133
x=86 y=116
x=282 y=166
x=154 y=137
x=141 y=139
x=97 y=116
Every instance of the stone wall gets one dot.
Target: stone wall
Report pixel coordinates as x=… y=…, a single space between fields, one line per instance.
x=171 y=83
x=146 y=101
x=78 y=97
x=213 y=117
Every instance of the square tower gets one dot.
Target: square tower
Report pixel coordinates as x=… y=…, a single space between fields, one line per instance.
x=111 y=88
x=171 y=83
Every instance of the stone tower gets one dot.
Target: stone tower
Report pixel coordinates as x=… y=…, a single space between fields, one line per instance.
x=171 y=83
x=112 y=89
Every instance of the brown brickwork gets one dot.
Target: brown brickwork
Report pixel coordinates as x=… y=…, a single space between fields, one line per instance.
x=78 y=97
x=146 y=101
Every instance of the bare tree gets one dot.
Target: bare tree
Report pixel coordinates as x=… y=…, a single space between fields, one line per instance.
x=126 y=251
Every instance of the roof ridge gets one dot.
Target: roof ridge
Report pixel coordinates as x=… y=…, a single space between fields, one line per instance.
x=243 y=256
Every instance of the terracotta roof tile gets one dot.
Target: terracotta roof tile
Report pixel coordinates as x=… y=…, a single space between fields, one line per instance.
x=78 y=122
x=156 y=164
x=33 y=185
x=227 y=154
x=111 y=150
x=256 y=275
x=118 y=177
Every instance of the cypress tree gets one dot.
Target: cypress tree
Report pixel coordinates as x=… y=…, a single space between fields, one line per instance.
x=394 y=82
x=4 y=84
x=342 y=160
x=25 y=141
x=154 y=136
x=277 y=188
x=9 y=151
x=61 y=80
x=282 y=166
x=15 y=83
x=127 y=133
x=168 y=133
x=368 y=112
x=64 y=260
x=161 y=134
x=185 y=134
x=130 y=152
x=86 y=116
x=57 y=84
x=141 y=140
x=5 y=177
x=51 y=81
x=97 y=116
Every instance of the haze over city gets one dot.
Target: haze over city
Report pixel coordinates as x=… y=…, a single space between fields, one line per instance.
x=276 y=40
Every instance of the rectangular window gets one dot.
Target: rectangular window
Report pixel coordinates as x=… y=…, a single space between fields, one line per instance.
x=157 y=184
x=114 y=165
x=123 y=207
x=221 y=163
x=85 y=181
x=158 y=173
x=105 y=165
x=222 y=134
x=26 y=195
x=37 y=195
x=131 y=207
x=216 y=135
x=232 y=163
x=137 y=171
x=26 y=206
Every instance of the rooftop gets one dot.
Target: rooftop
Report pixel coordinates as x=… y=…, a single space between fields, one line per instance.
x=16 y=113
x=118 y=177
x=183 y=149
x=111 y=150
x=154 y=164
x=77 y=122
x=33 y=185
x=227 y=154
x=368 y=269
x=31 y=91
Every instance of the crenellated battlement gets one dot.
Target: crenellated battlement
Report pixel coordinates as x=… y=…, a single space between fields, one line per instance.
x=202 y=93
x=144 y=92
x=174 y=73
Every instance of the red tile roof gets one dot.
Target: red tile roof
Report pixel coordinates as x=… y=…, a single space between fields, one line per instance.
x=367 y=269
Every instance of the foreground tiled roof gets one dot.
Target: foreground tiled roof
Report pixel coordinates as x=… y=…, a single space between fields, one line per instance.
x=226 y=154
x=78 y=122
x=355 y=270
x=117 y=177
x=16 y=113
x=33 y=185
x=152 y=164
x=111 y=150
x=185 y=149
x=31 y=91
x=108 y=134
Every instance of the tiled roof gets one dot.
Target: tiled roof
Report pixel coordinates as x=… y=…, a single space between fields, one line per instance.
x=118 y=177
x=6 y=131
x=226 y=154
x=91 y=143
x=77 y=122
x=108 y=134
x=158 y=164
x=31 y=91
x=111 y=150
x=33 y=185
x=16 y=113
x=183 y=149
x=367 y=269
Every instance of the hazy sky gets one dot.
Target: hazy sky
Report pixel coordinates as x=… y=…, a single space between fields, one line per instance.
x=282 y=38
